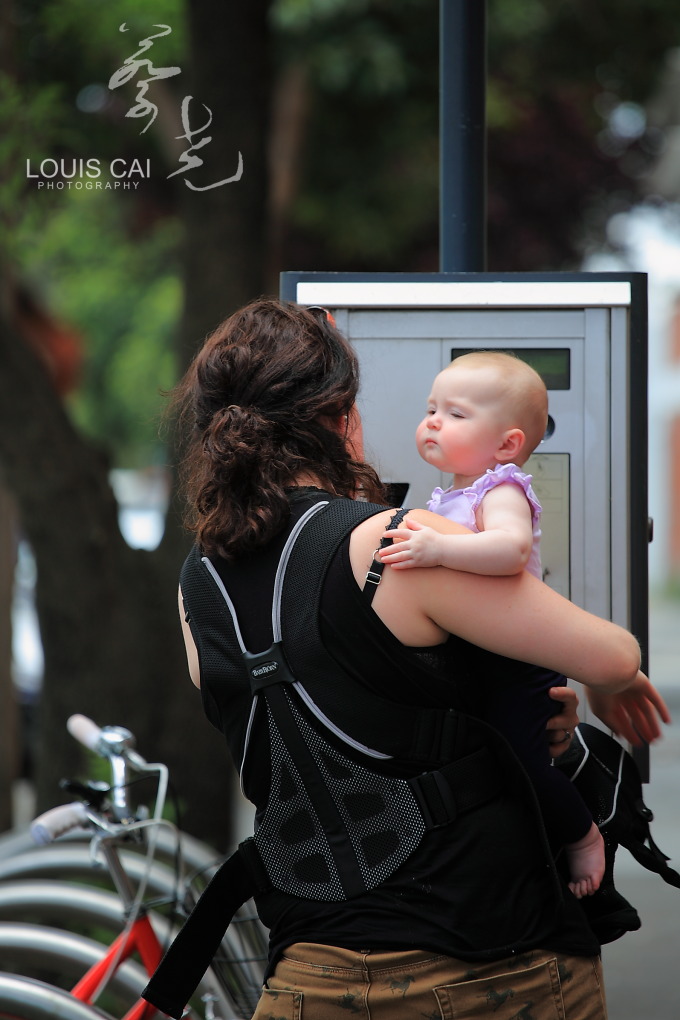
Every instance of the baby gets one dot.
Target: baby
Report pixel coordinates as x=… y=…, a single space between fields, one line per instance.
x=486 y=414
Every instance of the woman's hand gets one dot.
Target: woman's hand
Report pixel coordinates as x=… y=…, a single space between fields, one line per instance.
x=633 y=714
x=561 y=727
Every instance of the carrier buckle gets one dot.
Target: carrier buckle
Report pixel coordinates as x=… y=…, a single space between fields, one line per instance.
x=436 y=799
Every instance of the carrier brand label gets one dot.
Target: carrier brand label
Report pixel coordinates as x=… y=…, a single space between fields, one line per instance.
x=266 y=667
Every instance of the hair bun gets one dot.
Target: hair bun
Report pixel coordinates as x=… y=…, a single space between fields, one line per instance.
x=235 y=431
x=235 y=415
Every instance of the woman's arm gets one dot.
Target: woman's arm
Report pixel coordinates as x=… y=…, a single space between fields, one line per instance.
x=189 y=644
x=522 y=618
x=517 y=616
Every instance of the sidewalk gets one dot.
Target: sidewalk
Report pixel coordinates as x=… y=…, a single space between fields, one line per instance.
x=642 y=970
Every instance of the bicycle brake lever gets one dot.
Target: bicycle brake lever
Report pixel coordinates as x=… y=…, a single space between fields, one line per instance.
x=92 y=793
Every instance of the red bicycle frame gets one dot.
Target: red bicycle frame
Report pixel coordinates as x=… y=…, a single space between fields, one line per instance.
x=141 y=938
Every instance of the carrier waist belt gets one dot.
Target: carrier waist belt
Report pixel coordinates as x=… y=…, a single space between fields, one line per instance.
x=441 y=796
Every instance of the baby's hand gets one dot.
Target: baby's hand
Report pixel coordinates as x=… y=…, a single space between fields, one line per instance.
x=633 y=714
x=415 y=545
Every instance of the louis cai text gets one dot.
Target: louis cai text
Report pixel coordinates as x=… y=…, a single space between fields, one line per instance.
x=80 y=168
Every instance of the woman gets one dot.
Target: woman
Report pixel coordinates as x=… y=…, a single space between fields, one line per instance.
x=474 y=917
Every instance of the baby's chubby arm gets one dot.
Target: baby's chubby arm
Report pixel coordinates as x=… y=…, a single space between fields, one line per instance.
x=502 y=546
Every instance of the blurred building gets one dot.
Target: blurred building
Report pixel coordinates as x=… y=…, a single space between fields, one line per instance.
x=647 y=239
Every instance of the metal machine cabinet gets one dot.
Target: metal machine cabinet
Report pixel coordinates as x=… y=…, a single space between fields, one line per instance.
x=586 y=335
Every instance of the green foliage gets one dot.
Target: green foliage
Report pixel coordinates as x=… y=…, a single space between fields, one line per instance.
x=559 y=74
x=366 y=188
x=518 y=20
x=348 y=44
x=78 y=43
x=30 y=121
x=91 y=28
x=368 y=191
x=103 y=263
x=539 y=45
x=369 y=187
x=303 y=15
x=122 y=295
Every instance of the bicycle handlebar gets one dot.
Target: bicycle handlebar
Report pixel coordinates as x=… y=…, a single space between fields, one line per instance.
x=84 y=730
x=107 y=741
x=114 y=743
x=57 y=821
x=117 y=744
x=107 y=812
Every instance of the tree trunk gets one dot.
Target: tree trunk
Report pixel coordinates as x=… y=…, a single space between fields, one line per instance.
x=107 y=613
x=9 y=744
x=225 y=227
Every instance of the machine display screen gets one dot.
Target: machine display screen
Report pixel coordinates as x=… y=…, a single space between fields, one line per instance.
x=553 y=364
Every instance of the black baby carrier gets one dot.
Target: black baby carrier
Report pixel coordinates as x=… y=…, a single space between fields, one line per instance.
x=335 y=825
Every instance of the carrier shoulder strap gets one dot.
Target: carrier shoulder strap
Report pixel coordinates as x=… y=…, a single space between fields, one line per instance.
x=413 y=734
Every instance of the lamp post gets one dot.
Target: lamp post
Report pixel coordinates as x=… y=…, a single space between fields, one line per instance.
x=462 y=135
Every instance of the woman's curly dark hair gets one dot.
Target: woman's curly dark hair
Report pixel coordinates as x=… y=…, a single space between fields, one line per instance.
x=259 y=407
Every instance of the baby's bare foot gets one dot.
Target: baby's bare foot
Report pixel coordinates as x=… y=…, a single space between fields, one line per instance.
x=586 y=863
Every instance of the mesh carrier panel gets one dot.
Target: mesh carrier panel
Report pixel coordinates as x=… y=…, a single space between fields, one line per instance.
x=291 y=840
x=378 y=813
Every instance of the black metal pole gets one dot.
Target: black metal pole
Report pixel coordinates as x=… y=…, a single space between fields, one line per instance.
x=462 y=135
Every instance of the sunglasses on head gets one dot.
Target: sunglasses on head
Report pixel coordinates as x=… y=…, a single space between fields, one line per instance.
x=314 y=309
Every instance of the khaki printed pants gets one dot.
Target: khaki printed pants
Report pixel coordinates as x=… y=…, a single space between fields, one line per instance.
x=315 y=982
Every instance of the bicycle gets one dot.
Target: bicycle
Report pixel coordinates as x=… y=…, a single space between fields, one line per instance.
x=126 y=842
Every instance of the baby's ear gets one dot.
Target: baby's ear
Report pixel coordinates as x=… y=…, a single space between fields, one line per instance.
x=511 y=446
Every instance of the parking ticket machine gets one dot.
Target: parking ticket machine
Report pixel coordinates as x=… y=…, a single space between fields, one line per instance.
x=586 y=335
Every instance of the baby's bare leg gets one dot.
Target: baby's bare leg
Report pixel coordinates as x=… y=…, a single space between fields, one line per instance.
x=586 y=863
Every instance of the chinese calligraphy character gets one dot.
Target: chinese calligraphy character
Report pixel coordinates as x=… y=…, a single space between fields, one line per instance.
x=132 y=66
x=189 y=157
x=144 y=107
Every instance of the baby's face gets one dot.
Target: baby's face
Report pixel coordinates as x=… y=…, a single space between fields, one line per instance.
x=466 y=420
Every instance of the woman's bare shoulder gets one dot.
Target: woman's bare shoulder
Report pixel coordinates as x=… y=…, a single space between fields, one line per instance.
x=437 y=522
x=366 y=536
